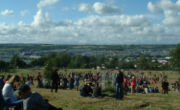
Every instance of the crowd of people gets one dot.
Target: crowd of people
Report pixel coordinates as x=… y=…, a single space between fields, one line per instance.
x=15 y=91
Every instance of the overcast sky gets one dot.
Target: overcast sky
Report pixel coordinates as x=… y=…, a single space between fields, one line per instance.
x=90 y=21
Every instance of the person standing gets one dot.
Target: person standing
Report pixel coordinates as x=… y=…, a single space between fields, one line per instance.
x=133 y=85
x=165 y=86
x=119 y=85
x=76 y=82
x=55 y=80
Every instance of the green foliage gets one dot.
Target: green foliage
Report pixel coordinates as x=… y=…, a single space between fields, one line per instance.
x=113 y=63
x=4 y=66
x=62 y=60
x=175 y=57
x=143 y=62
x=48 y=69
x=17 y=62
x=39 y=62
x=126 y=65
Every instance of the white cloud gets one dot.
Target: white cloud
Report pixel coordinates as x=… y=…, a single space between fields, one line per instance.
x=85 y=7
x=102 y=8
x=154 y=8
x=171 y=11
x=41 y=20
x=117 y=29
x=24 y=12
x=7 y=12
x=46 y=3
x=172 y=18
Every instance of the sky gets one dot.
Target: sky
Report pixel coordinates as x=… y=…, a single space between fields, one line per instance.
x=90 y=22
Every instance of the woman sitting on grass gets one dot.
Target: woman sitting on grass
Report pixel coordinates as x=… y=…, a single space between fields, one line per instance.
x=8 y=92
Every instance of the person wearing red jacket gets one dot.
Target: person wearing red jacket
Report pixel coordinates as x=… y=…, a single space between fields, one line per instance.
x=133 y=84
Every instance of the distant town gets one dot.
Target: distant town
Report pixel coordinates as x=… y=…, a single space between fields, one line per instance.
x=130 y=52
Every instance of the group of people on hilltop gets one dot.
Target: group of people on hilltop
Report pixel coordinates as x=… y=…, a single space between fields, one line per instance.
x=124 y=83
x=14 y=95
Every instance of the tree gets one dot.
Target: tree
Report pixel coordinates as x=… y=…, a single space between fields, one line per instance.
x=62 y=60
x=113 y=63
x=39 y=62
x=48 y=69
x=143 y=62
x=4 y=66
x=16 y=62
x=175 y=57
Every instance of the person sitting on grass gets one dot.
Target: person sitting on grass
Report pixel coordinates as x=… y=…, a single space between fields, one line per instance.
x=33 y=101
x=86 y=90
x=97 y=91
x=8 y=92
x=2 y=102
x=178 y=85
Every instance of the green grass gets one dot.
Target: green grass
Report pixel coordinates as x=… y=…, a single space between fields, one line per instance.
x=71 y=99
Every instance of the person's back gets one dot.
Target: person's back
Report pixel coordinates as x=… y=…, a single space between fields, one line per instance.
x=119 y=79
x=178 y=85
x=97 y=91
x=8 y=92
x=35 y=102
x=83 y=91
x=1 y=84
x=165 y=85
x=2 y=102
x=55 y=77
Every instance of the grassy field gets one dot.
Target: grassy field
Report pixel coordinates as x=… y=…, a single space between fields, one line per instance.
x=71 y=99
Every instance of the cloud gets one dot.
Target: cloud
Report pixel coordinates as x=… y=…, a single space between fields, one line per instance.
x=171 y=11
x=116 y=29
x=41 y=19
x=85 y=7
x=7 y=12
x=24 y=12
x=153 y=8
x=102 y=8
x=46 y=3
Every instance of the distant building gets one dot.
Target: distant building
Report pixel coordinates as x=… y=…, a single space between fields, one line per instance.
x=26 y=54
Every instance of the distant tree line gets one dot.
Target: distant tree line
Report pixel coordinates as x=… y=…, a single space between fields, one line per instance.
x=64 y=60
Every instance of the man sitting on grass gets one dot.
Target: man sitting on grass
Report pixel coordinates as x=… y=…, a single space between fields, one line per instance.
x=97 y=91
x=33 y=101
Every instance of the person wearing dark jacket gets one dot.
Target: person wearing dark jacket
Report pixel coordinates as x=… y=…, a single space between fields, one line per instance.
x=119 y=85
x=2 y=102
x=97 y=91
x=34 y=101
x=165 y=86
x=55 y=80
